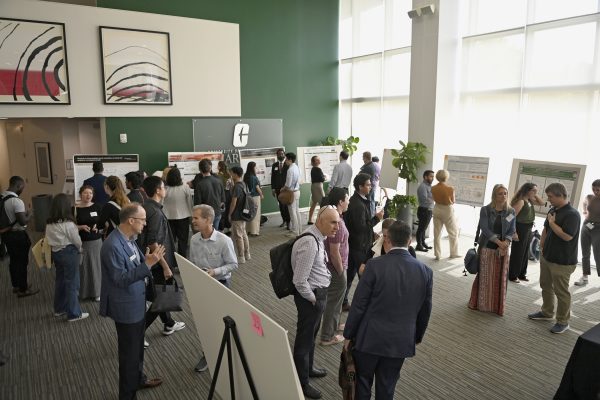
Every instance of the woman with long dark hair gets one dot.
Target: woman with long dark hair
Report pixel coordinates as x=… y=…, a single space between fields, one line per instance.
x=253 y=184
x=522 y=202
x=177 y=206
x=109 y=217
x=87 y=215
x=497 y=224
x=63 y=237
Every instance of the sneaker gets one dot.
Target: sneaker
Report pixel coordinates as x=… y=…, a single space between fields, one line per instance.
x=247 y=257
x=59 y=314
x=169 y=330
x=311 y=392
x=582 y=281
x=28 y=292
x=241 y=260
x=202 y=365
x=83 y=315
x=146 y=344
x=523 y=278
x=559 y=328
x=516 y=280
x=97 y=299
x=539 y=316
x=334 y=340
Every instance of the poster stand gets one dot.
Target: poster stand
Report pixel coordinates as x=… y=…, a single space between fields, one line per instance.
x=230 y=329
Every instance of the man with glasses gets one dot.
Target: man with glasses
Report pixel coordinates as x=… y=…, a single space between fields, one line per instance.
x=360 y=222
x=122 y=297
x=158 y=232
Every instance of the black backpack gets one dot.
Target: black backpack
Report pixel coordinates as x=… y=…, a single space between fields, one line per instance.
x=250 y=207
x=5 y=224
x=281 y=263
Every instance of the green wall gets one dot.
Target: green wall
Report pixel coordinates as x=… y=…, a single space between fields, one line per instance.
x=288 y=60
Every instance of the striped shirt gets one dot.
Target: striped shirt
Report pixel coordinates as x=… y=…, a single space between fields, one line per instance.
x=309 y=264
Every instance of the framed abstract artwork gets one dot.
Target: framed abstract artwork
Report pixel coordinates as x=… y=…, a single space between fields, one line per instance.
x=44 y=164
x=33 y=68
x=136 y=66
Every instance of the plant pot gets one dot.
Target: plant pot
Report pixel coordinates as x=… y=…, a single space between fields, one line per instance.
x=405 y=213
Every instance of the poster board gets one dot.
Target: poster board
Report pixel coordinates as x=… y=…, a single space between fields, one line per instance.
x=264 y=159
x=389 y=174
x=114 y=164
x=188 y=161
x=468 y=176
x=264 y=342
x=329 y=155
x=543 y=173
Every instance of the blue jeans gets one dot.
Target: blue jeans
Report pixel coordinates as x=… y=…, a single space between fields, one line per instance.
x=216 y=221
x=66 y=289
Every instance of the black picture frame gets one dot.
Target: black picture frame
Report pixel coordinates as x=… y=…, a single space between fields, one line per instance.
x=43 y=161
x=136 y=66
x=37 y=52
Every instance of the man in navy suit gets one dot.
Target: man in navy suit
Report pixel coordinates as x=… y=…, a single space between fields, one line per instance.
x=123 y=296
x=389 y=314
x=97 y=182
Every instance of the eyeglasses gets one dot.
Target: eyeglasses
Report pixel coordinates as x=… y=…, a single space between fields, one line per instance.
x=322 y=209
x=141 y=219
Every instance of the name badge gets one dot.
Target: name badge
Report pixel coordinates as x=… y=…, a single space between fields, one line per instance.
x=589 y=225
x=245 y=211
x=93 y=214
x=133 y=257
x=510 y=217
x=276 y=168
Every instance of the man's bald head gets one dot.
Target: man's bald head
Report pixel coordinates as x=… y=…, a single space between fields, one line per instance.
x=327 y=221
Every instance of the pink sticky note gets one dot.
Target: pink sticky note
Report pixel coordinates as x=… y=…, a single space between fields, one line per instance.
x=256 y=323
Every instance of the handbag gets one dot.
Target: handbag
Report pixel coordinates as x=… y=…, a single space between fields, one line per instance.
x=167 y=297
x=286 y=197
x=347 y=373
x=42 y=254
x=472 y=256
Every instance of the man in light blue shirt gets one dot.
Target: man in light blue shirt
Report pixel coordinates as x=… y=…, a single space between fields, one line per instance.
x=212 y=251
x=342 y=173
x=292 y=182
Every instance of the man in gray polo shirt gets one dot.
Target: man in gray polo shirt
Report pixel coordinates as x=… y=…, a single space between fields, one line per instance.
x=212 y=251
x=311 y=279
x=342 y=173
x=425 y=210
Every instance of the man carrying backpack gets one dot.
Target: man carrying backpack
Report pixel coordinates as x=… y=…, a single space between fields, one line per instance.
x=311 y=279
x=13 y=222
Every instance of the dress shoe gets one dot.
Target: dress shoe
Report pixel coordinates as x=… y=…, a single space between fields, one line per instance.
x=28 y=292
x=420 y=248
x=310 y=392
x=524 y=278
x=317 y=373
x=282 y=225
x=427 y=247
x=151 y=383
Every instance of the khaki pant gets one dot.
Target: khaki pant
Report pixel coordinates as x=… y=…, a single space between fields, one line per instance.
x=240 y=240
x=444 y=216
x=554 y=280
x=254 y=225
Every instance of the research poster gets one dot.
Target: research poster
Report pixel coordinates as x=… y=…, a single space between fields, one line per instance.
x=329 y=156
x=114 y=164
x=468 y=176
x=543 y=173
x=264 y=159
x=187 y=162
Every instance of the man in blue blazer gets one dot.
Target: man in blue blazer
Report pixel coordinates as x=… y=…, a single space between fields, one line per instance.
x=389 y=314
x=123 y=296
x=97 y=182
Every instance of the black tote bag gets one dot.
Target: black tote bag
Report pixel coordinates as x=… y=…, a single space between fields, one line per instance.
x=167 y=297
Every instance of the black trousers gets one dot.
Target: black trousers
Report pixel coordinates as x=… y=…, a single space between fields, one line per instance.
x=283 y=209
x=131 y=358
x=424 y=215
x=355 y=259
x=386 y=371
x=159 y=278
x=519 y=252
x=309 y=321
x=181 y=233
x=17 y=244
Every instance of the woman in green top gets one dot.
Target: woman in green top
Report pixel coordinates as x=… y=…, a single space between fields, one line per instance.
x=523 y=202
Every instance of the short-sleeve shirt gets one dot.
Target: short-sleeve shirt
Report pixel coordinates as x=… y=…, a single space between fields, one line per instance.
x=254 y=182
x=316 y=175
x=340 y=237
x=555 y=249
x=238 y=191
x=13 y=206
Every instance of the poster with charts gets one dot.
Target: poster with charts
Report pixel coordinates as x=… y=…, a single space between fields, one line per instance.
x=264 y=159
x=329 y=156
x=543 y=173
x=114 y=164
x=468 y=176
x=188 y=161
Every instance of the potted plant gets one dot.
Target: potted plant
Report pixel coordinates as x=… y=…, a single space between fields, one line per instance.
x=348 y=145
x=408 y=159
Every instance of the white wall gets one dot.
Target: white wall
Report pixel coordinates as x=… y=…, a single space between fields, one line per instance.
x=205 y=63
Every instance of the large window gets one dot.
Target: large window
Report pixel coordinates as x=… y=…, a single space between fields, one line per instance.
x=374 y=51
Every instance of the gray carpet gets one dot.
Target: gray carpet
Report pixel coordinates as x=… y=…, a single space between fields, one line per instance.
x=465 y=354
